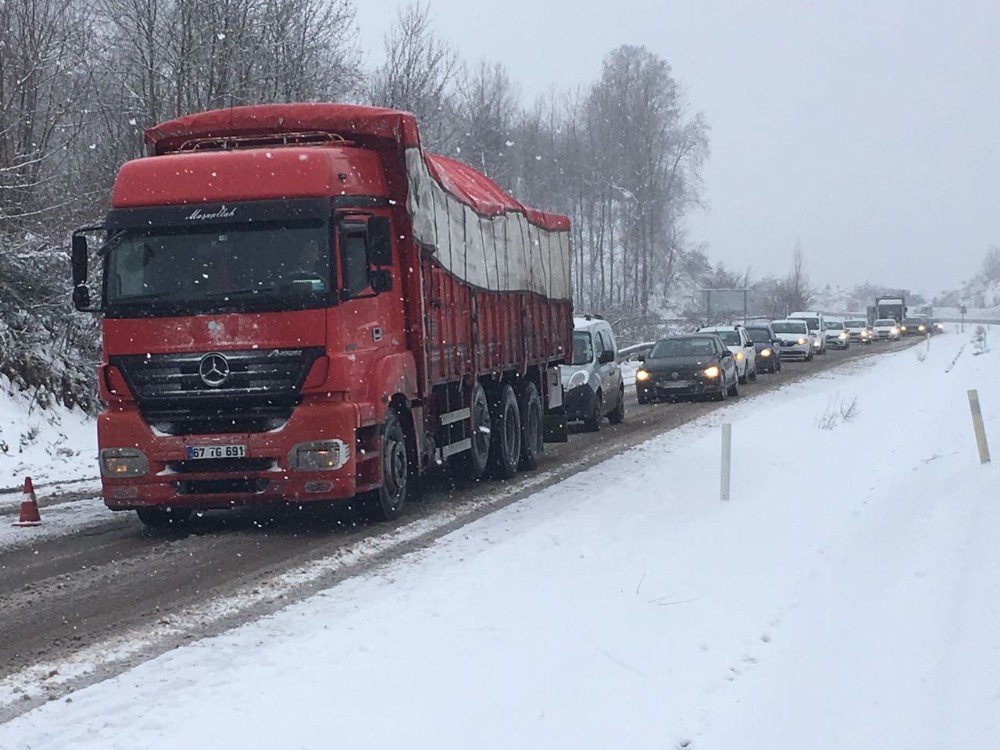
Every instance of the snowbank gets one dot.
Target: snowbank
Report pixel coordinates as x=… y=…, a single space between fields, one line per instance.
x=629 y=607
x=49 y=444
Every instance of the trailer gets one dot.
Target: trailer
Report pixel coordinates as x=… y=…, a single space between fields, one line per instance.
x=300 y=304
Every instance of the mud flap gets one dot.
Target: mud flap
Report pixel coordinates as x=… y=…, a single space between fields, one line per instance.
x=555 y=429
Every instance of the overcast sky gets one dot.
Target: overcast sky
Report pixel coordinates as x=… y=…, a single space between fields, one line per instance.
x=867 y=131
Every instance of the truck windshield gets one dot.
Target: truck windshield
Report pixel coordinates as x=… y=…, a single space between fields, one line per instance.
x=267 y=265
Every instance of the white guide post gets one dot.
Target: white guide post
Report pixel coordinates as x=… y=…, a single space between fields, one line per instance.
x=979 y=427
x=727 y=455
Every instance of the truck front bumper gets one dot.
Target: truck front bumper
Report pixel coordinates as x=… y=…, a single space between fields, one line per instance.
x=263 y=475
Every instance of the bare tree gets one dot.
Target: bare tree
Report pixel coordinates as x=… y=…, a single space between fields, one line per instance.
x=488 y=109
x=418 y=76
x=793 y=291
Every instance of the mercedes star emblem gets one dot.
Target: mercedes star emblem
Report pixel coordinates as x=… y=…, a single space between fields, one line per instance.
x=213 y=369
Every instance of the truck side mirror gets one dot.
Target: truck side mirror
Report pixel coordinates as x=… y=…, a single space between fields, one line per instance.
x=379 y=241
x=79 y=259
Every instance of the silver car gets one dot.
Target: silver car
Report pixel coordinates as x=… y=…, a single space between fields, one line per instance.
x=592 y=382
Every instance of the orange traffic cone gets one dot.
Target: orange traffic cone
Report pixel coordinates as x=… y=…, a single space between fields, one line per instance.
x=29 y=506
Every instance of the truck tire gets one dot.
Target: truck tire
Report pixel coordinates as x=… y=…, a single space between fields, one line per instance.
x=386 y=503
x=473 y=462
x=163 y=518
x=505 y=443
x=618 y=415
x=531 y=426
x=592 y=422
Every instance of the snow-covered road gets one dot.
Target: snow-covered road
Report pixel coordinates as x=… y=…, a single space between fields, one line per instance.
x=847 y=596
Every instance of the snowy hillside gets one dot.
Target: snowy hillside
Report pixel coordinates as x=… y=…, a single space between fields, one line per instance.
x=53 y=443
x=853 y=606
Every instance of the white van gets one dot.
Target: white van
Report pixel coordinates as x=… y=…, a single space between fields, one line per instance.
x=817 y=329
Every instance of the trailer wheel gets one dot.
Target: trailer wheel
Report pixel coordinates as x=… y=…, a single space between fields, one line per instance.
x=386 y=503
x=531 y=426
x=163 y=518
x=474 y=461
x=505 y=446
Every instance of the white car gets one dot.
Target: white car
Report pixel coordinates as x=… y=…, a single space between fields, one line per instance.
x=795 y=340
x=836 y=336
x=738 y=341
x=858 y=330
x=886 y=329
x=817 y=326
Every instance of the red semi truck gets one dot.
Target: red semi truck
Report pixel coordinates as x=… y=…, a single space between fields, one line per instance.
x=301 y=304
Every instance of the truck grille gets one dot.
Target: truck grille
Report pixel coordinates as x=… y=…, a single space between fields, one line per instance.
x=196 y=393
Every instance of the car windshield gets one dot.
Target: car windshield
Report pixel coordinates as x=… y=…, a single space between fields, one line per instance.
x=835 y=326
x=729 y=338
x=687 y=347
x=812 y=323
x=855 y=324
x=583 y=348
x=788 y=326
x=229 y=267
x=886 y=322
x=912 y=321
x=759 y=335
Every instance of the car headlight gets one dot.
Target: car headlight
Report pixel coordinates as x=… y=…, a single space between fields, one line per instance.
x=118 y=463
x=739 y=356
x=893 y=331
x=864 y=334
x=801 y=342
x=921 y=328
x=642 y=375
x=711 y=372
x=319 y=455
x=902 y=328
x=939 y=326
x=842 y=336
x=765 y=352
x=577 y=379
x=817 y=343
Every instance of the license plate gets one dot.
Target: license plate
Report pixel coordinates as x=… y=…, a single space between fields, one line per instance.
x=676 y=384
x=196 y=452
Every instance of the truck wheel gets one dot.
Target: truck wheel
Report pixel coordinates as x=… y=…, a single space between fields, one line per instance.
x=592 y=422
x=505 y=446
x=618 y=415
x=531 y=426
x=163 y=518
x=386 y=503
x=473 y=462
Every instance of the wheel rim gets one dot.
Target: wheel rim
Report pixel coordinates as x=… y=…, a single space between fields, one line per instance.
x=481 y=419
x=531 y=427
x=511 y=431
x=394 y=469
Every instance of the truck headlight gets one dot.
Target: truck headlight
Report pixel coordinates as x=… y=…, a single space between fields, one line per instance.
x=577 y=379
x=641 y=375
x=119 y=463
x=319 y=455
x=711 y=372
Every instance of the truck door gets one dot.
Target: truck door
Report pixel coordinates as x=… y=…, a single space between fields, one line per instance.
x=367 y=317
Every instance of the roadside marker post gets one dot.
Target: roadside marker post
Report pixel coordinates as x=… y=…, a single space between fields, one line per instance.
x=727 y=456
x=979 y=427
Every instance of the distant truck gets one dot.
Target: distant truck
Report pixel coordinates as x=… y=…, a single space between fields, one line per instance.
x=890 y=307
x=301 y=304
